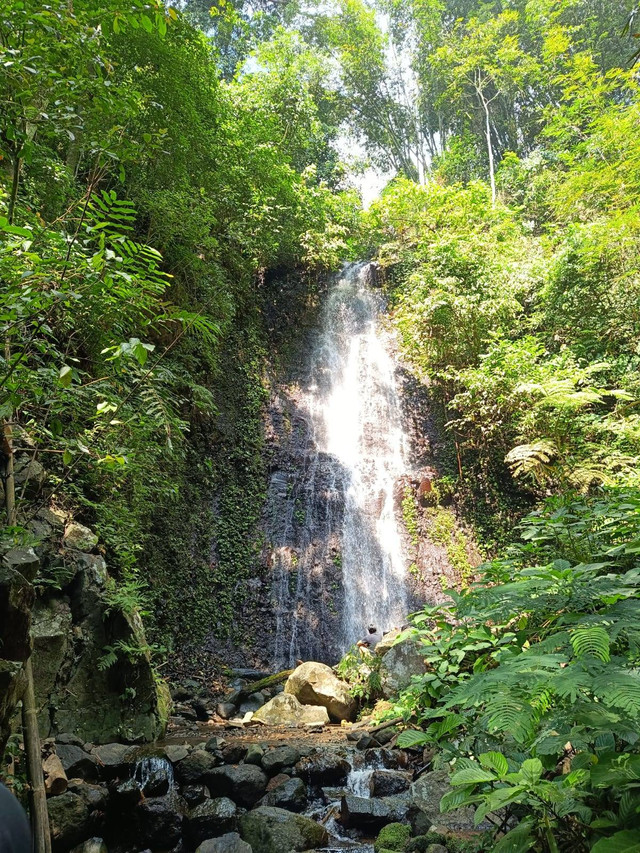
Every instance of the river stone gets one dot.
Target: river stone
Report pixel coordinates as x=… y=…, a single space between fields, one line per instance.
x=68 y=820
x=277 y=759
x=176 y=752
x=77 y=763
x=400 y=663
x=226 y=710
x=323 y=769
x=252 y=703
x=159 y=822
x=92 y=845
x=192 y=768
x=285 y=710
x=371 y=814
x=273 y=830
x=114 y=759
x=95 y=796
x=210 y=818
x=245 y=784
x=79 y=538
x=387 y=782
x=426 y=793
x=254 y=754
x=229 y=843
x=290 y=795
x=316 y=684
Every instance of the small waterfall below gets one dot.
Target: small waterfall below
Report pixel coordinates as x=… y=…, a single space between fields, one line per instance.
x=332 y=519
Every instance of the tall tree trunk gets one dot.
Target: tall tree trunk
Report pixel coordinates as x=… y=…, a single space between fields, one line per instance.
x=38 y=795
x=492 y=171
x=7 y=448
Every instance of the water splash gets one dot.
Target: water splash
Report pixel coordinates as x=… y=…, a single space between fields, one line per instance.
x=334 y=508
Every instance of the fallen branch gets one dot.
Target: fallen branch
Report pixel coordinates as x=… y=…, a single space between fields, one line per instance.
x=270 y=681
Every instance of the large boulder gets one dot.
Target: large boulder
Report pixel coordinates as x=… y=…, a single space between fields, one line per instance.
x=273 y=830
x=316 y=684
x=285 y=710
x=68 y=820
x=159 y=822
x=371 y=813
x=192 y=768
x=400 y=662
x=323 y=768
x=277 y=759
x=79 y=538
x=210 y=818
x=245 y=784
x=425 y=794
x=290 y=795
x=229 y=843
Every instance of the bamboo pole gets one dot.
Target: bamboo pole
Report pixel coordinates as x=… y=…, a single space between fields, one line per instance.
x=37 y=794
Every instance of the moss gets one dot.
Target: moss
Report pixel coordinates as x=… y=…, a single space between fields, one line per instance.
x=421 y=843
x=393 y=836
x=410 y=514
x=445 y=531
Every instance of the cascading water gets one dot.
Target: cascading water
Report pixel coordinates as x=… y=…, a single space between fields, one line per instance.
x=332 y=522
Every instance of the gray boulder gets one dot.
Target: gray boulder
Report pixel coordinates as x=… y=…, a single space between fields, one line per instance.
x=384 y=783
x=290 y=795
x=229 y=843
x=159 y=822
x=254 y=754
x=210 y=818
x=77 y=763
x=425 y=795
x=323 y=769
x=277 y=759
x=273 y=830
x=192 y=768
x=77 y=537
x=400 y=663
x=245 y=784
x=316 y=684
x=370 y=813
x=285 y=710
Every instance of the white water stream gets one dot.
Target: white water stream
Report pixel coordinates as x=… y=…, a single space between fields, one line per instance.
x=353 y=451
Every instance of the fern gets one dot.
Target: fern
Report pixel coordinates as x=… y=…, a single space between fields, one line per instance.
x=590 y=641
x=532 y=459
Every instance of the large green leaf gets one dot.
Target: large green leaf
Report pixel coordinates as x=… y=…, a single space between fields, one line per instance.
x=472 y=775
x=627 y=841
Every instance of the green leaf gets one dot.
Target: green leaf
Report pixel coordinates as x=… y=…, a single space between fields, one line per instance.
x=627 y=841
x=495 y=761
x=67 y=457
x=531 y=770
x=65 y=375
x=518 y=840
x=472 y=776
x=411 y=738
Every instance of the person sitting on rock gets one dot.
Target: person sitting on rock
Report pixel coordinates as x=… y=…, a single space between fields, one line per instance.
x=371 y=640
x=15 y=835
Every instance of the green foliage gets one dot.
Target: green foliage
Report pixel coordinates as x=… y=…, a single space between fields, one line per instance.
x=410 y=514
x=362 y=674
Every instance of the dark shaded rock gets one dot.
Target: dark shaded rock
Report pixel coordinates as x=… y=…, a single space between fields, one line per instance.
x=68 y=820
x=272 y=830
x=210 y=818
x=159 y=822
x=323 y=769
x=91 y=845
x=128 y=793
x=95 y=796
x=214 y=744
x=277 y=759
x=154 y=775
x=280 y=779
x=193 y=795
x=77 y=763
x=290 y=795
x=370 y=814
x=114 y=759
x=251 y=703
x=390 y=759
x=387 y=782
x=229 y=843
x=226 y=710
x=365 y=742
x=232 y=753
x=201 y=711
x=245 y=784
x=192 y=768
x=386 y=735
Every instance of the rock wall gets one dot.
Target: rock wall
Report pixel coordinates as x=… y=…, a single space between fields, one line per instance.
x=92 y=668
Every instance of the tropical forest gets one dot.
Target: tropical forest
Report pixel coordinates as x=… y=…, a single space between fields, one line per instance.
x=320 y=426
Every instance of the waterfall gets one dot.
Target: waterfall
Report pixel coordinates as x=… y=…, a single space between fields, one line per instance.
x=332 y=510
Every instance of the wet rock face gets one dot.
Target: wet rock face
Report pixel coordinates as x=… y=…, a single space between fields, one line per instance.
x=68 y=820
x=316 y=684
x=245 y=783
x=210 y=818
x=273 y=830
x=159 y=824
x=290 y=795
x=323 y=769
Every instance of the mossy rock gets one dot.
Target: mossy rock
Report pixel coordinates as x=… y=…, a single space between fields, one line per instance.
x=421 y=843
x=393 y=836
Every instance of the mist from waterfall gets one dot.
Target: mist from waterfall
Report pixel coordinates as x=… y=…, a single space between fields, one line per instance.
x=338 y=503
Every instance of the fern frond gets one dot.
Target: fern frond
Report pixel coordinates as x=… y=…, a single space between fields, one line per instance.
x=590 y=641
x=532 y=459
